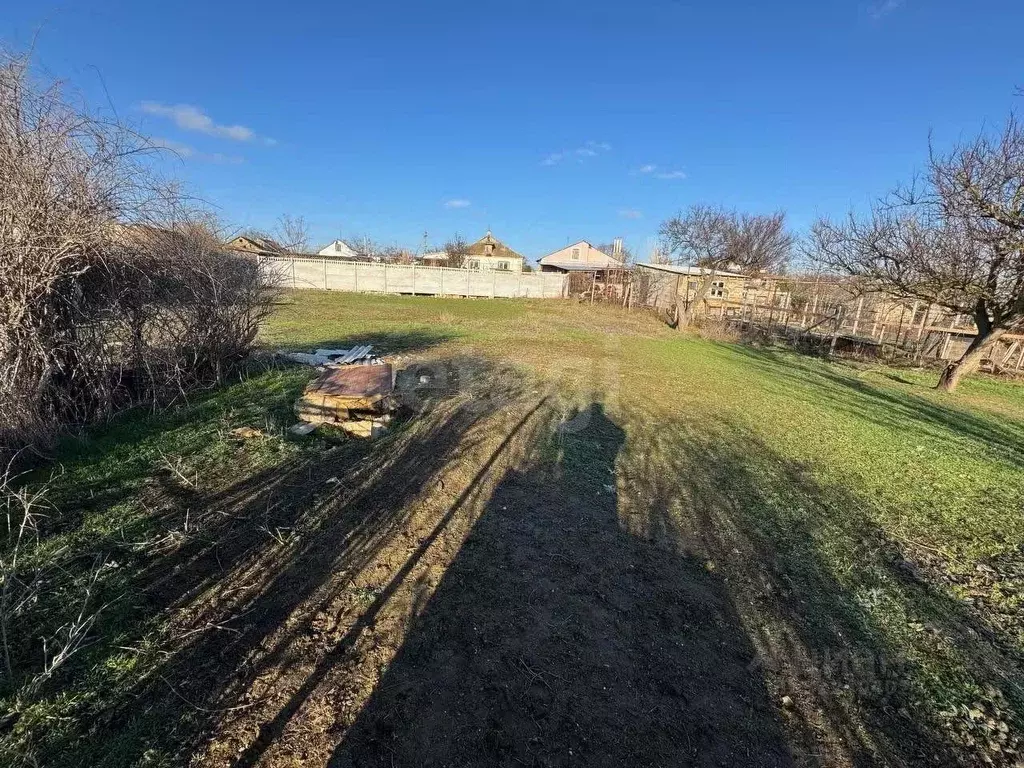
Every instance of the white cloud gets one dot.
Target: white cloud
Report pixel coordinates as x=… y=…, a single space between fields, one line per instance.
x=883 y=8
x=457 y=203
x=190 y=118
x=590 y=149
x=630 y=213
x=650 y=169
x=187 y=152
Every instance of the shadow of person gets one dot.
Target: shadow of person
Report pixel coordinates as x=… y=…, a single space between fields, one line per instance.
x=557 y=638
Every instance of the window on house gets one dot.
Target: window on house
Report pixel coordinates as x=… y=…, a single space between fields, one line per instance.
x=503 y=266
x=489 y=249
x=473 y=264
x=576 y=253
x=717 y=289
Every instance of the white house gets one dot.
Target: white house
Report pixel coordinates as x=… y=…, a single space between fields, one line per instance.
x=489 y=253
x=338 y=250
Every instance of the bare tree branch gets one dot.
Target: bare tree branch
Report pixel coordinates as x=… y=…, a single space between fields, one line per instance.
x=292 y=233
x=955 y=239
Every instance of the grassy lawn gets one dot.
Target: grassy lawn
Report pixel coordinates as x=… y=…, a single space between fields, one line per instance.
x=592 y=541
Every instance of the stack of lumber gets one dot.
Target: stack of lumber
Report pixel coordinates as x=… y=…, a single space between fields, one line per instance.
x=357 y=398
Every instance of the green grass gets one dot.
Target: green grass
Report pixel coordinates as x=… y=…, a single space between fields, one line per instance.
x=855 y=513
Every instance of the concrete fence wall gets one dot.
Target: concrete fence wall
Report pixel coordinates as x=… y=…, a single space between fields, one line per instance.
x=336 y=275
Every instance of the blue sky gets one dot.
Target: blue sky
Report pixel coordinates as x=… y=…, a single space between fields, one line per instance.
x=548 y=122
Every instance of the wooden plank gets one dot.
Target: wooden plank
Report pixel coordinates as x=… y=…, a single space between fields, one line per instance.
x=364 y=428
x=315 y=411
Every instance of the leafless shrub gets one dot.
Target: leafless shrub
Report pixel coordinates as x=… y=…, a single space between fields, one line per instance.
x=715 y=329
x=457 y=249
x=113 y=288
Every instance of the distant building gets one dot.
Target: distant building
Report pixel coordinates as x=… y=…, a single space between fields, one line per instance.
x=338 y=250
x=579 y=257
x=489 y=253
x=263 y=246
x=433 y=258
x=670 y=283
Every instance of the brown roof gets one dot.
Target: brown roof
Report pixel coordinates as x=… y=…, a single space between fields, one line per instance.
x=256 y=244
x=479 y=248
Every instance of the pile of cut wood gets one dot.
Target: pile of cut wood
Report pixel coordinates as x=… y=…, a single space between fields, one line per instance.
x=354 y=392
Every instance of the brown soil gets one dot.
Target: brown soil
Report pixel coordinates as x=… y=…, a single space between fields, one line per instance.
x=472 y=599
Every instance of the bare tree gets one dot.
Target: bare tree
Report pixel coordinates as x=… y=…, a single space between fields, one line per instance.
x=457 y=249
x=367 y=249
x=715 y=240
x=362 y=247
x=292 y=233
x=761 y=243
x=956 y=241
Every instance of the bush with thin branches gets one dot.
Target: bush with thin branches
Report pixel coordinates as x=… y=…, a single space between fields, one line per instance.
x=113 y=286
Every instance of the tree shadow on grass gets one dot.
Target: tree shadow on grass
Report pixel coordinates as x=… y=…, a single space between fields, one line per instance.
x=825 y=596
x=575 y=625
x=469 y=591
x=832 y=386
x=231 y=580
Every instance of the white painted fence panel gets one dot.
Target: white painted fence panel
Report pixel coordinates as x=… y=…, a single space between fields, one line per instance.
x=336 y=275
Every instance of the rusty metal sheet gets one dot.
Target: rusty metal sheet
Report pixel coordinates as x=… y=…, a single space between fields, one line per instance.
x=355 y=381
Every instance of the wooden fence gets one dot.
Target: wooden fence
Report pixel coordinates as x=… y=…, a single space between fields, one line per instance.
x=828 y=312
x=365 y=277
x=871 y=327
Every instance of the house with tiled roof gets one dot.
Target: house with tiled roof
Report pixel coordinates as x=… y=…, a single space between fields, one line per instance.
x=489 y=253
